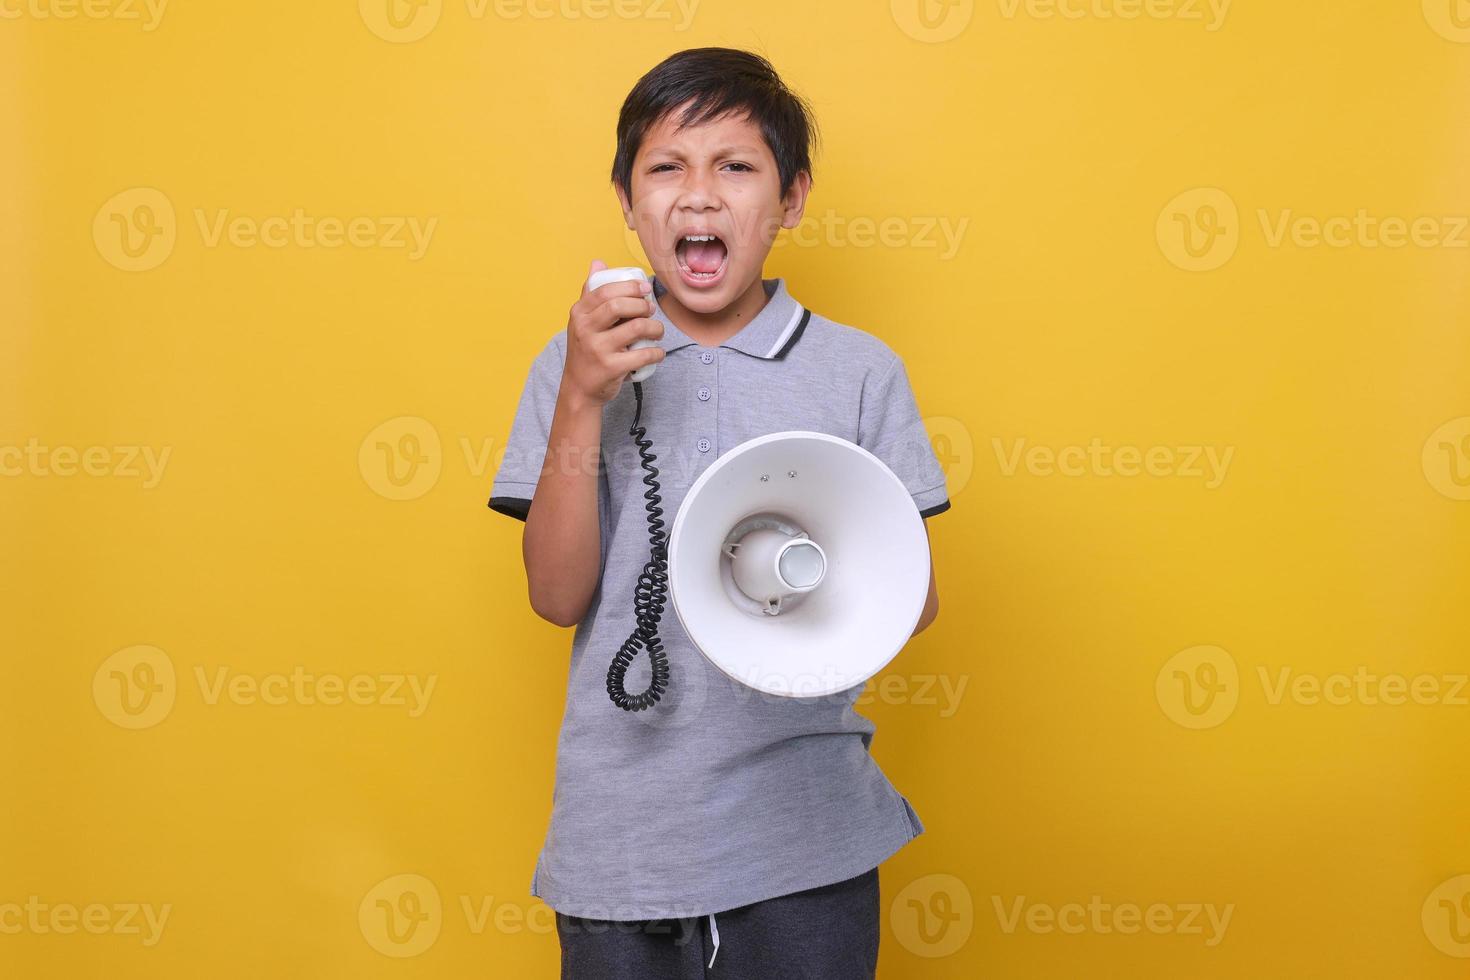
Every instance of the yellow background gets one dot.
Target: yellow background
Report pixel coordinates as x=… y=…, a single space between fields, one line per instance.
x=1067 y=769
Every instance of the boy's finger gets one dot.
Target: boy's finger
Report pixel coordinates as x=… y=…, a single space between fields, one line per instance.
x=597 y=265
x=619 y=306
x=603 y=295
x=638 y=328
x=629 y=361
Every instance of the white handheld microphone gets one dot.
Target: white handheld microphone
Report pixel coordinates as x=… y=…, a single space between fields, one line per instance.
x=627 y=273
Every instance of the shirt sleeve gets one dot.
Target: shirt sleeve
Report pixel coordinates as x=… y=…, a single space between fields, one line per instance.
x=889 y=427
x=520 y=469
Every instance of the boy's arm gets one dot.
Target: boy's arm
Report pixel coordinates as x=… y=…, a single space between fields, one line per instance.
x=562 y=544
x=549 y=475
x=891 y=428
x=931 y=604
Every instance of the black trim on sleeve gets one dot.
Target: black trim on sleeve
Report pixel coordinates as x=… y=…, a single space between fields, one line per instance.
x=938 y=508
x=806 y=316
x=517 y=507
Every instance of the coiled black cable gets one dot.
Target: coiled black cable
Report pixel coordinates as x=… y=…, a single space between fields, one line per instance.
x=652 y=590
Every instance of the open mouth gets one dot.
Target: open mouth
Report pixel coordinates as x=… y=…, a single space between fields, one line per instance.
x=702 y=259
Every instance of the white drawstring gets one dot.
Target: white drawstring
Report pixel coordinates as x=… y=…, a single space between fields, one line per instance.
x=714 y=932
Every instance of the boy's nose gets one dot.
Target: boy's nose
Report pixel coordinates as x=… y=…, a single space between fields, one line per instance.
x=698 y=190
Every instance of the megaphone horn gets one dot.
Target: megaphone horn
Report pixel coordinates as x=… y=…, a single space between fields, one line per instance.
x=798 y=564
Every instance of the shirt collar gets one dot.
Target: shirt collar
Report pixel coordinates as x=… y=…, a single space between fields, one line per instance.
x=773 y=332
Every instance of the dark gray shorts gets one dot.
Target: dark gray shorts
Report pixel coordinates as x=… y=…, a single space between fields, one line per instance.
x=826 y=933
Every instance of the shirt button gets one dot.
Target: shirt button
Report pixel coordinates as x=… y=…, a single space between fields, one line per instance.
x=707 y=356
x=704 y=445
x=703 y=394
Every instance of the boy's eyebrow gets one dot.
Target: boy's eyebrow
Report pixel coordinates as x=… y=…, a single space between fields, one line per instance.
x=741 y=149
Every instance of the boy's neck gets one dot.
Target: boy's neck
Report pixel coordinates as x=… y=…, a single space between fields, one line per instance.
x=713 y=329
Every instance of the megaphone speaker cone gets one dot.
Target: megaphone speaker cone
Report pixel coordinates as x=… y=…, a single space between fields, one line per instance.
x=798 y=564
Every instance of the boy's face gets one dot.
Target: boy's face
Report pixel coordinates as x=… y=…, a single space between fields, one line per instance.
x=718 y=178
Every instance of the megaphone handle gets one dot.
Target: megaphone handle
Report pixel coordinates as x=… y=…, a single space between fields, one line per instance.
x=653 y=587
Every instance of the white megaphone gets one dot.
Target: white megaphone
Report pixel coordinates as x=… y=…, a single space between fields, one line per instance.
x=798 y=564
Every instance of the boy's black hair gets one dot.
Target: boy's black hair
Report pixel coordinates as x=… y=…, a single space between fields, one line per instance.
x=716 y=81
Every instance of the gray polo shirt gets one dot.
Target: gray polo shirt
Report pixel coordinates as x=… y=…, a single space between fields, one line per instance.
x=719 y=795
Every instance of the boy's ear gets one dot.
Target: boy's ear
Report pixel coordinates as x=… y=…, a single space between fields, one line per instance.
x=794 y=202
x=625 y=204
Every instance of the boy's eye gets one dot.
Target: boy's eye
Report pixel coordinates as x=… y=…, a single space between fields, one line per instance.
x=744 y=167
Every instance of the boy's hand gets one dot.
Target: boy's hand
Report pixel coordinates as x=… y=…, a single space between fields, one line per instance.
x=597 y=358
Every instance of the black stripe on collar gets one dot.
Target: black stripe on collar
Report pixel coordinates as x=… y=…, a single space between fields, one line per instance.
x=806 y=315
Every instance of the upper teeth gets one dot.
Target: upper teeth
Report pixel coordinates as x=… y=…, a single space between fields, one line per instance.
x=699 y=238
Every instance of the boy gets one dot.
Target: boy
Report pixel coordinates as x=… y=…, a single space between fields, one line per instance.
x=717 y=809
